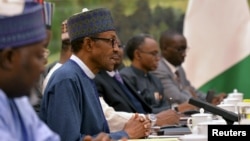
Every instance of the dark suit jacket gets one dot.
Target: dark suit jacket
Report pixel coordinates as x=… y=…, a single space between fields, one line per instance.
x=114 y=96
x=136 y=78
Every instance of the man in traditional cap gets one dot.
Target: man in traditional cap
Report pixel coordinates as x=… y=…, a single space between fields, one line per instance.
x=22 y=40
x=70 y=105
x=116 y=119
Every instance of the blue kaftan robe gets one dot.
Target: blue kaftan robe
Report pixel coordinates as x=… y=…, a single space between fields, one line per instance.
x=19 y=122
x=71 y=105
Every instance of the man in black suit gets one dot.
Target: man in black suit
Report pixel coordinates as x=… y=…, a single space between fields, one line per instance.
x=116 y=95
x=122 y=97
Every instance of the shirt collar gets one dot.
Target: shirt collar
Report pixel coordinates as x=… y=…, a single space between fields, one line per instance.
x=139 y=72
x=111 y=73
x=83 y=66
x=172 y=67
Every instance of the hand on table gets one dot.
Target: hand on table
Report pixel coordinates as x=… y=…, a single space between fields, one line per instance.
x=167 y=117
x=137 y=127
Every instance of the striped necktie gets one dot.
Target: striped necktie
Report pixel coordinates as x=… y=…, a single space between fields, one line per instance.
x=178 y=79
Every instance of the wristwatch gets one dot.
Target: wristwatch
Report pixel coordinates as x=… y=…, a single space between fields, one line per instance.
x=152 y=118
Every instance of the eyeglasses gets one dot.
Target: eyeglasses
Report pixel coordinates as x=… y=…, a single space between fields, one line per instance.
x=154 y=54
x=113 y=41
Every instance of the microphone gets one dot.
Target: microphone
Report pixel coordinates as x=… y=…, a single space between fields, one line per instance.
x=228 y=116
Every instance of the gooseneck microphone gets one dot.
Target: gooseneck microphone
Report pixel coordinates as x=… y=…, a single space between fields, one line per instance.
x=228 y=116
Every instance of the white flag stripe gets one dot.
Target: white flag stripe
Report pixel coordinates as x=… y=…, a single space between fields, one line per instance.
x=217 y=32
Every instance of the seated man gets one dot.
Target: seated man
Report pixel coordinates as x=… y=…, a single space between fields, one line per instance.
x=22 y=41
x=143 y=51
x=176 y=86
x=116 y=120
x=121 y=96
x=70 y=105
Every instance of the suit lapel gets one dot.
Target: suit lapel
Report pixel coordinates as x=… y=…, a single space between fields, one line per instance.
x=172 y=75
x=139 y=97
x=118 y=89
